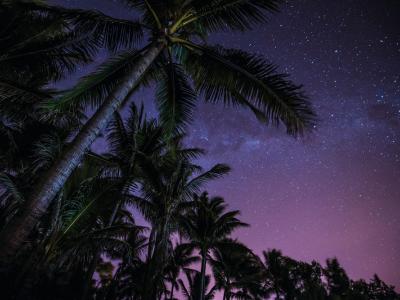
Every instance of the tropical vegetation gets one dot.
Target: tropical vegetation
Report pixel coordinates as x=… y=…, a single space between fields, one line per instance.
x=132 y=220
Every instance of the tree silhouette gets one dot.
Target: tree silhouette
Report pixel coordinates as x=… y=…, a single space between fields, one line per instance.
x=237 y=272
x=207 y=226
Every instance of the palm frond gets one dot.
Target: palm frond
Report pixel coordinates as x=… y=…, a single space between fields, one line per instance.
x=112 y=33
x=51 y=58
x=153 y=11
x=105 y=31
x=9 y=188
x=217 y=15
x=13 y=91
x=46 y=150
x=94 y=88
x=215 y=172
x=239 y=78
x=175 y=99
x=117 y=137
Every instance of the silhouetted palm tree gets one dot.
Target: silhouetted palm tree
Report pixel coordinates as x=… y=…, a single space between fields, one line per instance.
x=129 y=141
x=180 y=259
x=207 y=225
x=278 y=277
x=167 y=190
x=237 y=271
x=126 y=281
x=172 y=56
x=197 y=286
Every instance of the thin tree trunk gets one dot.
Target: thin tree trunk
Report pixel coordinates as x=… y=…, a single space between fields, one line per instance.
x=155 y=263
x=203 y=274
x=16 y=232
x=150 y=247
x=172 y=290
x=227 y=291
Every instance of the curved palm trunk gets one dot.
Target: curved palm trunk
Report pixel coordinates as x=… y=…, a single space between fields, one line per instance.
x=203 y=274
x=19 y=228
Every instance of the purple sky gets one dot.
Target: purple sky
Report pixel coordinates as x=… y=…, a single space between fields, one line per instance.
x=336 y=192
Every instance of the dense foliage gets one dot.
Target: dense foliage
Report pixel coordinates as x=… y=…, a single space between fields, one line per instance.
x=88 y=245
x=85 y=241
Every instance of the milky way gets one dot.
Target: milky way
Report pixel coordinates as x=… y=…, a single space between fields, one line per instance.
x=335 y=192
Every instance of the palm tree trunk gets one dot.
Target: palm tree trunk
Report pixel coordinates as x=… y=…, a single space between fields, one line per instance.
x=19 y=228
x=203 y=274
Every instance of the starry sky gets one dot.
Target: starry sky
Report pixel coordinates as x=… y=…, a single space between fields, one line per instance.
x=335 y=192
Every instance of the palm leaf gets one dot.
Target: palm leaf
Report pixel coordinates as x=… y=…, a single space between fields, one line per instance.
x=94 y=88
x=93 y=25
x=215 y=172
x=217 y=15
x=240 y=78
x=175 y=99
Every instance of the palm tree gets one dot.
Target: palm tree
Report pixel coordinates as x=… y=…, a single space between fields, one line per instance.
x=172 y=56
x=180 y=259
x=126 y=280
x=136 y=138
x=237 y=271
x=196 y=285
x=208 y=226
x=166 y=193
x=276 y=272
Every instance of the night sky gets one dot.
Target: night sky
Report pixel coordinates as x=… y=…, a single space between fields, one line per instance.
x=335 y=192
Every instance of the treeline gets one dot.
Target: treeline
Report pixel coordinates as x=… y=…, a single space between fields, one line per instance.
x=87 y=245
x=67 y=212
